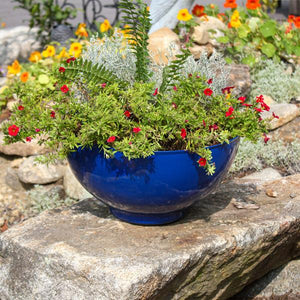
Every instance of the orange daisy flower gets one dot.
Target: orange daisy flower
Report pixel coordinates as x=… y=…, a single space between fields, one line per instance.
x=253 y=4
x=230 y=4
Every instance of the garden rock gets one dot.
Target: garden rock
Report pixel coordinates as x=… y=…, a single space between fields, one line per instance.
x=17 y=43
x=239 y=77
x=12 y=179
x=267 y=174
x=72 y=186
x=33 y=172
x=287 y=133
x=22 y=149
x=164 y=44
x=83 y=252
x=198 y=50
x=286 y=112
x=282 y=281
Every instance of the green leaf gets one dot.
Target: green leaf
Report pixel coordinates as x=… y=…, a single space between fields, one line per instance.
x=253 y=23
x=223 y=39
x=239 y=44
x=268 y=29
x=243 y=31
x=268 y=49
x=297 y=50
x=43 y=79
x=249 y=60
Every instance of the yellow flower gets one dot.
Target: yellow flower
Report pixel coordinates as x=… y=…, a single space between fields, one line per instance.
x=228 y=96
x=75 y=49
x=3 y=24
x=235 y=19
x=49 y=52
x=81 y=31
x=35 y=56
x=184 y=15
x=15 y=68
x=24 y=76
x=63 y=53
x=105 y=26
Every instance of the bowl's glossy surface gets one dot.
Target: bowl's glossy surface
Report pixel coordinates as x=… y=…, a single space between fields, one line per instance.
x=153 y=190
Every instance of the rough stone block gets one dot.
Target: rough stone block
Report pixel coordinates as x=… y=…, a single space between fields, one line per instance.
x=83 y=252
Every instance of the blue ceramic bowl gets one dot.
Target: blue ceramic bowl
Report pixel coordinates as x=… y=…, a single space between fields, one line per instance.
x=153 y=190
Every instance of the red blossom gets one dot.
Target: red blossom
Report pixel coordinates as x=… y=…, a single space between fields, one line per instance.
x=20 y=107
x=28 y=139
x=198 y=10
x=275 y=116
x=208 y=92
x=174 y=105
x=183 y=133
x=258 y=109
x=247 y=104
x=155 y=92
x=175 y=88
x=190 y=75
x=111 y=139
x=266 y=138
x=52 y=114
x=13 y=130
x=186 y=121
x=242 y=99
x=229 y=112
x=103 y=85
x=61 y=69
x=202 y=162
x=210 y=81
x=227 y=89
x=70 y=59
x=265 y=106
x=37 y=130
x=136 y=129
x=127 y=113
x=213 y=127
x=64 y=89
x=260 y=99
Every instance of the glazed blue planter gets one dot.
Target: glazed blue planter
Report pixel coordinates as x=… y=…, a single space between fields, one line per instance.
x=154 y=190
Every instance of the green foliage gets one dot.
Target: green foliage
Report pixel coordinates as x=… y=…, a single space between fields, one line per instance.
x=269 y=5
x=274 y=80
x=137 y=20
x=256 y=156
x=46 y=15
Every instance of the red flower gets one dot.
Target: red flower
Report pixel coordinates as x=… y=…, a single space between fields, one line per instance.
x=28 y=139
x=70 y=59
x=175 y=88
x=227 y=89
x=258 y=109
x=198 y=10
x=20 y=107
x=37 y=130
x=61 y=69
x=64 y=89
x=204 y=124
x=208 y=92
x=210 y=81
x=213 y=127
x=291 y=18
x=103 y=85
x=136 y=129
x=229 y=112
x=186 y=121
x=52 y=114
x=260 y=99
x=13 y=130
x=266 y=138
x=297 y=22
x=275 y=116
x=242 y=99
x=247 y=105
x=174 y=105
x=111 y=139
x=265 y=106
x=127 y=113
x=190 y=75
x=183 y=133
x=202 y=162
x=155 y=92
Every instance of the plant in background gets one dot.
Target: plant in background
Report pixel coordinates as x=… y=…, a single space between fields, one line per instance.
x=95 y=103
x=269 y=5
x=45 y=15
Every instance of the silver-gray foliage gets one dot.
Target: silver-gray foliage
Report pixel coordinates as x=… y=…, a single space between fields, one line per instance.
x=275 y=81
x=253 y=156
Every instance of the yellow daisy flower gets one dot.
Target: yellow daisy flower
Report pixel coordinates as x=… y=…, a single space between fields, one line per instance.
x=105 y=26
x=49 y=52
x=75 y=49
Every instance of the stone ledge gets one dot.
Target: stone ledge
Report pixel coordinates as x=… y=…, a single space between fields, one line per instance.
x=84 y=253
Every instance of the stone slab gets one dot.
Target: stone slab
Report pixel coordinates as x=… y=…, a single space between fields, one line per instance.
x=83 y=252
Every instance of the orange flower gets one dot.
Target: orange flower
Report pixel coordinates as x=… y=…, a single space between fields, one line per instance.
x=297 y=22
x=81 y=31
x=35 y=56
x=24 y=76
x=230 y=4
x=15 y=68
x=105 y=26
x=198 y=10
x=291 y=18
x=253 y=4
x=49 y=52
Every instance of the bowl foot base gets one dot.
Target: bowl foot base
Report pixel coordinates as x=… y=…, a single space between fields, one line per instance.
x=147 y=219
